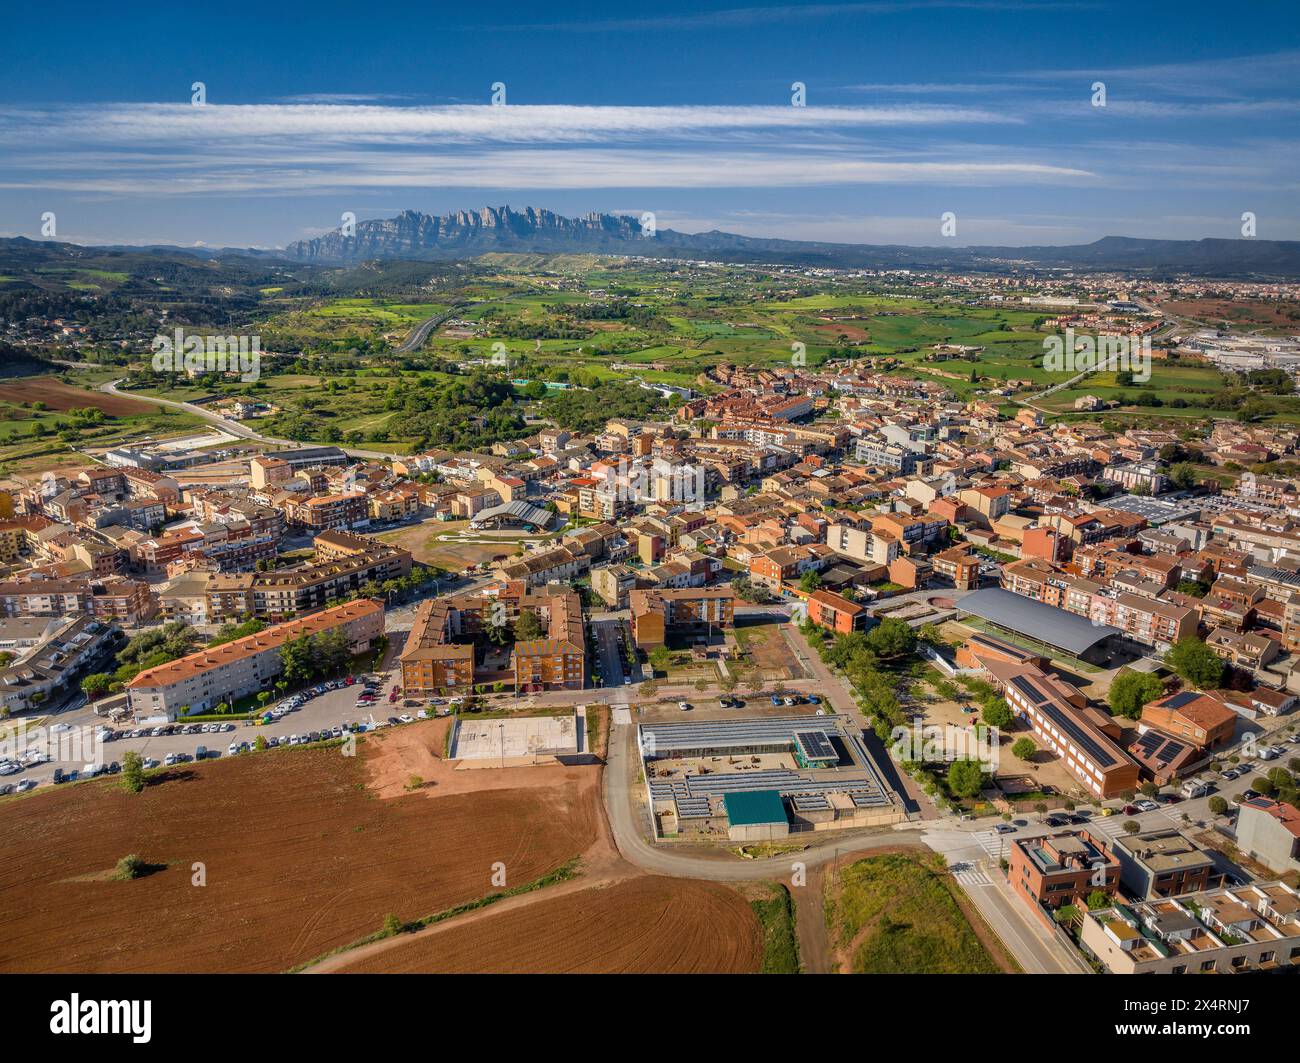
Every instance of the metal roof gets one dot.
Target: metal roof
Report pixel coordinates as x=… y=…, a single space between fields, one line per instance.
x=520 y=510
x=1042 y=623
x=755 y=806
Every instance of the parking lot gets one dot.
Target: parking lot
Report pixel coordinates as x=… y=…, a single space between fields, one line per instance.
x=322 y=713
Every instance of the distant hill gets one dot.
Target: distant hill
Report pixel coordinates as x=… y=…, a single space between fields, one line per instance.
x=463 y=234
x=412 y=237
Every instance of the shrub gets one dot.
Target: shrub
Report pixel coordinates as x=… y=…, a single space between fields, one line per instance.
x=130 y=866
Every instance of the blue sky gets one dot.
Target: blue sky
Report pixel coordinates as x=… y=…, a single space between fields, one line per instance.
x=979 y=107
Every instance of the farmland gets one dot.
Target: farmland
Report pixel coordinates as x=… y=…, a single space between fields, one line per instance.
x=300 y=858
x=645 y=925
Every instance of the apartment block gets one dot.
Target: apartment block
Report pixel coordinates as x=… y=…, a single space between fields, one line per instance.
x=1066 y=868
x=1163 y=863
x=835 y=613
x=202 y=680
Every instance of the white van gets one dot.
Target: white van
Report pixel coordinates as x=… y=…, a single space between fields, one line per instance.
x=1192 y=789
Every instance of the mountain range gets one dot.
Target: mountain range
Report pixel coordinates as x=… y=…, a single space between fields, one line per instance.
x=415 y=237
x=464 y=233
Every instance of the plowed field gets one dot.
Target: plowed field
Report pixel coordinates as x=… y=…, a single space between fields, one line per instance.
x=300 y=858
x=644 y=925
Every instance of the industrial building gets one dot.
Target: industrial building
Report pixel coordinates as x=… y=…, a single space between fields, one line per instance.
x=796 y=773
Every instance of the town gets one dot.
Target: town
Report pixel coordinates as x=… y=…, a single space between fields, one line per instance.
x=756 y=600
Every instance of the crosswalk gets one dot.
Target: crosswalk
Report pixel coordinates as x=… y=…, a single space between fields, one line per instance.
x=994 y=844
x=968 y=874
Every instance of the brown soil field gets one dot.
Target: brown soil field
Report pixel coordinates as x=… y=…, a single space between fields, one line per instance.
x=770 y=652
x=646 y=925
x=1247 y=314
x=60 y=396
x=837 y=328
x=301 y=858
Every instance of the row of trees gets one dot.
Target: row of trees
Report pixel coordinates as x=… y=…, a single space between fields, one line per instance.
x=864 y=659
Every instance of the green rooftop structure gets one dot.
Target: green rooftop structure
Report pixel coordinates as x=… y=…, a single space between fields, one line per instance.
x=756 y=815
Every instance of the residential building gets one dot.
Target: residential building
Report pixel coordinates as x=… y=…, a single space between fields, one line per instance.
x=225 y=673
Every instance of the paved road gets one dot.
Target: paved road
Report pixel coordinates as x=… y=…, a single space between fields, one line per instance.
x=420 y=334
x=611 y=660
x=967 y=855
x=227 y=425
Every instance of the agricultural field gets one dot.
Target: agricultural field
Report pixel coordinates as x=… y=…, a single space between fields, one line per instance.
x=302 y=856
x=43 y=418
x=644 y=925
x=902 y=913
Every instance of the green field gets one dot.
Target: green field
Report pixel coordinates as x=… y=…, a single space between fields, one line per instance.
x=897 y=914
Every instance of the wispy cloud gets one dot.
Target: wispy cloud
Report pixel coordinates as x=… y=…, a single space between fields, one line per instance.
x=576 y=168
x=742 y=17
x=180 y=124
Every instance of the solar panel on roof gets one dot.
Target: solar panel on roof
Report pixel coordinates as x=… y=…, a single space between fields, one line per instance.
x=815 y=745
x=1183 y=697
x=1170 y=752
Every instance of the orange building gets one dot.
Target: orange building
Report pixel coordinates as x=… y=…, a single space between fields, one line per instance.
x=835 y=613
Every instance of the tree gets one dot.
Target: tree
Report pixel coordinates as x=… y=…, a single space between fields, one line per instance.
x=965 y=778
x=1067 y=913
x=1130 y=691
x=1183 y=475
x=1149 y=789
x=998 y=714
x=259 y=743
x=527 y=626
x=97 y=684
x=660 y=658
x=810 y=581
x=129 y=867
x=891 y=638
x=1098 y=899
x=1218 y=805
x=332 y=653
x=298 y=659
x=1131 y=826
x=132 y=772
x=1195 y=663
x=1024 y=749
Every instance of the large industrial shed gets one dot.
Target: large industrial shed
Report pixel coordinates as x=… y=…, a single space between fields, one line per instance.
x=1039 y=624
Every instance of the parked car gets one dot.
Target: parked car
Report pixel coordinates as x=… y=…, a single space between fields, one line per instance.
x=685 y=706
x=406 y=718
x=1005 y=828
x=25 y=784
x=1145 y=806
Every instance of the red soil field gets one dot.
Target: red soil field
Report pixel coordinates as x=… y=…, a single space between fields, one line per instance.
x=646 y=925
x=301 y=858
x=60 y=396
